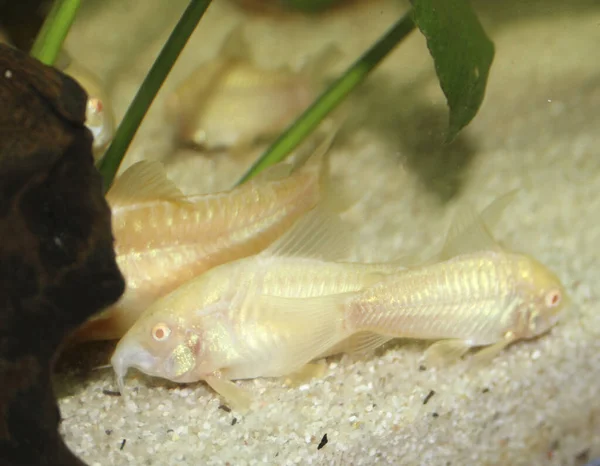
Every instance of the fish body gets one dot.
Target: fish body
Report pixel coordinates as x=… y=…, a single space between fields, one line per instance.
x=477 y=298
x=163 y=239
x=230 y=102
x=252 y=339
x=271 y=314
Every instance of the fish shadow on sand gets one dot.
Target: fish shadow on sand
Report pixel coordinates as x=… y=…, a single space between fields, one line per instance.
x=414 y=129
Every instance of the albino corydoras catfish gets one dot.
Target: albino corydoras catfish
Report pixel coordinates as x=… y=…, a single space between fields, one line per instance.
x=271 y=314
x=231 y=102
x=99 y=117
x=163 y=238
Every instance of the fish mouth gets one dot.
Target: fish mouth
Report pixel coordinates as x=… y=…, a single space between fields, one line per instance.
x=131 y=355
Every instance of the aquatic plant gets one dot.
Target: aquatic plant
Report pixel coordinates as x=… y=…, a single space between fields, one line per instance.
x=461 y=51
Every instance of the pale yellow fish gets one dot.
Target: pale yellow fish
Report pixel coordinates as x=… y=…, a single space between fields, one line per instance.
x=163 y=238
x=270 y=315
x=230 y=102
x=99 y=114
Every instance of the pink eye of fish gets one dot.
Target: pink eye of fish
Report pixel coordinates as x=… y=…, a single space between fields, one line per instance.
x=160 y=332
x=552 y=298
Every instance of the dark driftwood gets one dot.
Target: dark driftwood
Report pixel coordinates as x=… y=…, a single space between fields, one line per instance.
x=57 y=264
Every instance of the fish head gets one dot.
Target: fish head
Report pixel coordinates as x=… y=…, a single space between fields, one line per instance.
x=158 y=346
x=99 y=120
x=546 y=298
x=181 y=336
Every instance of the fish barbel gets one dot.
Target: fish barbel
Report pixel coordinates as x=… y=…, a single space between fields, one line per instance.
x=163 y=238
x=272 y=314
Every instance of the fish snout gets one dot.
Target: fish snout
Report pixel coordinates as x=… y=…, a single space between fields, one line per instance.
x=129 y=355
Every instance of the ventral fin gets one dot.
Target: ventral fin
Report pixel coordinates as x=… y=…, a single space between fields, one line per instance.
x=143 y=181
x=485 y=355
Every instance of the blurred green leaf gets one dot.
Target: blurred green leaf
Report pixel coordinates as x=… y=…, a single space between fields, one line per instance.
x=49 y=41
x=109 y=165
x=462 y=53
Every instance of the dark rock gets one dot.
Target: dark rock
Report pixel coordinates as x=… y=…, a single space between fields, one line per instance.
x=57 y=263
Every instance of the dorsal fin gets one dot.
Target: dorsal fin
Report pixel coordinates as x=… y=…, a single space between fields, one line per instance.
x=320 y=234
x=318 y=65
x=235 y=45
x=334 y=197
x=470 y=231
x=467 y=233
x=492 y=213
x=143 y=181
x=275 y=172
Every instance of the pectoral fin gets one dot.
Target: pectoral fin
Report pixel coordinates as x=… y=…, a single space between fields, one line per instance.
x=308 y=326
x=235 y=396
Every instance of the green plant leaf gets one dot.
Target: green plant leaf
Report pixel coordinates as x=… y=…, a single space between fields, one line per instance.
x=332 y=97
x=462 y=54
x=49 y=40
x=109 y=165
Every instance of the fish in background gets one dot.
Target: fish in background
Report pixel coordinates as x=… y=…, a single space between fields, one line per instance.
x=232 y=103
x=163 y=238
x=99 y=115
x=271 y=314
x=100 y=118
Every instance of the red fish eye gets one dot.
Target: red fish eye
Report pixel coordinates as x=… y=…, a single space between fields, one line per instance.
x=161 y=332
x=553 y=298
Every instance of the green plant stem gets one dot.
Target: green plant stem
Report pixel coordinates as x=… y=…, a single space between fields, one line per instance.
x=332 y=97
x=49 y=40
x=145 y=95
